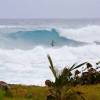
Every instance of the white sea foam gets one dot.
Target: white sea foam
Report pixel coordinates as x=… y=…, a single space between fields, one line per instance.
x=88 y=33
x=32 y=67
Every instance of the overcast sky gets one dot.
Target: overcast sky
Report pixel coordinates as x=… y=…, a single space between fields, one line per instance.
x=49 y=8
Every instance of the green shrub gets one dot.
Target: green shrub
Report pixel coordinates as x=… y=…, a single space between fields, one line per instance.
x=2 y=94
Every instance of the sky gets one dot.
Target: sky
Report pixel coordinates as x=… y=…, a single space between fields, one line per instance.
x=49 y=9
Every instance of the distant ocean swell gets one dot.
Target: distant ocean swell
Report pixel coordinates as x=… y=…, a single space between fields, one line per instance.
x=23 y=51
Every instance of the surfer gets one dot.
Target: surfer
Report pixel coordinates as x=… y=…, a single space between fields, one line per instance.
x=52 y=43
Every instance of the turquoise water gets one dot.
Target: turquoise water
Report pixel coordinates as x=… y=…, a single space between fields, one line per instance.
x=43 y=37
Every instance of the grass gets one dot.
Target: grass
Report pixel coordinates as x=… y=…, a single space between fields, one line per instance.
x=90 y=92
x=22 y=92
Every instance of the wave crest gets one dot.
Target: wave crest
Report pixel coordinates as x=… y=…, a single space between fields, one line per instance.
x=88 y=33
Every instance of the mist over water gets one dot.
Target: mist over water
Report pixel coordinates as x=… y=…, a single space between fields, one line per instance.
x=24 y=45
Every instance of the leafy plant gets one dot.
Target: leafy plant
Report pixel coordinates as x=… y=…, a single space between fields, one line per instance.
x=61 y=80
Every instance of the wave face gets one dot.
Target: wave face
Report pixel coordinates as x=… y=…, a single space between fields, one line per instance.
x=24 y=48
x=27 y=37
x=30 y=39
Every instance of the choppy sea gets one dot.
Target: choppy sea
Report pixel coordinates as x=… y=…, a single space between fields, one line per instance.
x=24 y=45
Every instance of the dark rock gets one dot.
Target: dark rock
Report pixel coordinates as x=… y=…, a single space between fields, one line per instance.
x=4 y=85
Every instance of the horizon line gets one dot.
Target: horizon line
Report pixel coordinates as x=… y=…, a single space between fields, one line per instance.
x=45 y=18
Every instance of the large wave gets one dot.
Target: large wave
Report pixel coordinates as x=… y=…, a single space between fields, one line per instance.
x=28 y=36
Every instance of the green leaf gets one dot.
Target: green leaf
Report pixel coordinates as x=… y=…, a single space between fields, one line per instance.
x=79 y=65
x=52 y=66
x=72 y=66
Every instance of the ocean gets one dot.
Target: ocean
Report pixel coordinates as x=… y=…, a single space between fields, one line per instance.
x=25 y=44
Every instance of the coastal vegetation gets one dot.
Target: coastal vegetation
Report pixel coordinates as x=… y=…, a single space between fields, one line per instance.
x=65 y=80
x=22 y=92
x=69 y=84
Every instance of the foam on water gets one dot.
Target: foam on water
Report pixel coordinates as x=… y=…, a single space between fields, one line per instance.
x=88 y=33
x=31 y=66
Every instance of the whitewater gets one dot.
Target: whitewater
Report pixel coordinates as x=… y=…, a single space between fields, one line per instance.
x=24 y=46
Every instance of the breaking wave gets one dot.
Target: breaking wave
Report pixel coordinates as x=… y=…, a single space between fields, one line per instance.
x=29 y=37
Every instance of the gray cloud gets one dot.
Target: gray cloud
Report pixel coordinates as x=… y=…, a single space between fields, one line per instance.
x=49 y=8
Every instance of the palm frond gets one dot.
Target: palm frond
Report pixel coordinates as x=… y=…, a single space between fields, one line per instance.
x=72 y=66
x=52 y=66
x=79 y=65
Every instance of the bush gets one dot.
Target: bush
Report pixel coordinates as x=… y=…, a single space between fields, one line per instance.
x=2 y=94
